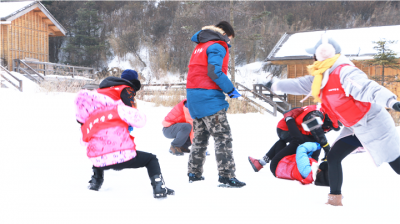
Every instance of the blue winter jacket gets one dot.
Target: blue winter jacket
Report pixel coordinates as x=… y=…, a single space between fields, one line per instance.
x=206 y=102
x=303 y=153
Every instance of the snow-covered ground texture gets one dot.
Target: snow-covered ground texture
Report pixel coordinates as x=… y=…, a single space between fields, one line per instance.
x=45 y=173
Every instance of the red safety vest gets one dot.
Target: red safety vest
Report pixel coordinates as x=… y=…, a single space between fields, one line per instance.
x=287 y=169
x=106 y=118
x=299 y=119
x=176 y=115
x=339 y=106
x=198 y=67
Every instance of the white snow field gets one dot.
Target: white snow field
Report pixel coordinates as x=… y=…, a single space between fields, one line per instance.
x=44 y=174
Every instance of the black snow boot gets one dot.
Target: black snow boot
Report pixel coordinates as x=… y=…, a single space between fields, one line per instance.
x=159 y=189
x=232 y=182
x=97 y=179
x=193 y=177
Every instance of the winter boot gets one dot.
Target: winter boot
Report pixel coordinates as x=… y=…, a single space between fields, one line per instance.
x=255 y=164
x=232 y=182
x=159 y=189
x=185 y=149
x=335 y=200
x=176 y=151
x=193 y=177
x=97 y=179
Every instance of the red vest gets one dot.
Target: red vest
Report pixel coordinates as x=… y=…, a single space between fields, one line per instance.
x=299 y=119
x=339 y=106
x=198 y=67
x=176 y=115
x=287 y=169
x=179 y=114
x=98 y=121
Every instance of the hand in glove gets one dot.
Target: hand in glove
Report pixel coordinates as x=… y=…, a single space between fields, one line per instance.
x=396 y=106
x=234 y=93
x=326 y=148
x=293 y=113
x=130 y=128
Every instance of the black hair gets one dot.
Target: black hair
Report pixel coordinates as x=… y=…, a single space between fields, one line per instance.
x=225 y=26
x=328 y=124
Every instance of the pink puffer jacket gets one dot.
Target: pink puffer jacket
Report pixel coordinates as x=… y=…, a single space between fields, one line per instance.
x=109 y=144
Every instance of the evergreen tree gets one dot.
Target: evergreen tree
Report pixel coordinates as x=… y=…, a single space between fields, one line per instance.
x=85 y=47
x=385 y=57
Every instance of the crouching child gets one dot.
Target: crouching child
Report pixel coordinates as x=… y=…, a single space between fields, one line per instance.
x=105 y=122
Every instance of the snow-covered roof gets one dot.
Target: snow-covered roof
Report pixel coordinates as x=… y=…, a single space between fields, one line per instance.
x=12 y=10
x=7 y=9
x=355 y=43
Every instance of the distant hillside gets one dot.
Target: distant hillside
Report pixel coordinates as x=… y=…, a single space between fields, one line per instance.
x=163 y=29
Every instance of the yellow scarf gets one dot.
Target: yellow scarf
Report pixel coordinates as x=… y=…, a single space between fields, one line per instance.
x=317 y=70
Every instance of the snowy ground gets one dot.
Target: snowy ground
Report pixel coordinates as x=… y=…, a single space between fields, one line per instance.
x=44 y=175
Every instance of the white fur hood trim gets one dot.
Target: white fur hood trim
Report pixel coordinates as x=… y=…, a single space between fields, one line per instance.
x=213 y=28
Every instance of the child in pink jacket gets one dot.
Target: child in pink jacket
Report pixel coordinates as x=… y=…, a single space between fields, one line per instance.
x=105 y=122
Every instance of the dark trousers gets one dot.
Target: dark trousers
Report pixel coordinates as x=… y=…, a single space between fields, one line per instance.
x=339 y=151
x=142 y=159
x=280 y=150
x=284 y=138
x=180 y=133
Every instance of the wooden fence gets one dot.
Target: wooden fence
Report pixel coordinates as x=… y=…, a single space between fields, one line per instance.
x=47 y=68
x=19 y=87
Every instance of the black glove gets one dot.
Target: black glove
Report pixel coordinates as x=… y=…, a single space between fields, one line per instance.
x=396 y=106
x=326 y=148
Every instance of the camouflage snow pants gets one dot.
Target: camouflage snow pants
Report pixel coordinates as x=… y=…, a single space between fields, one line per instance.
x=216 y=125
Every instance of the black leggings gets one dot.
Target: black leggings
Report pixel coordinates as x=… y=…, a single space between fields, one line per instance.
x=339 y=151
x=142 y=159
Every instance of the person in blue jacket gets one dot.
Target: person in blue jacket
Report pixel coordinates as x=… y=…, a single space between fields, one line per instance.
x=303 y=153
x=207 y=82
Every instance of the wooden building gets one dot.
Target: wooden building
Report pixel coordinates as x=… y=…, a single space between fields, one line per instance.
x=356 y=44
x=25 y=31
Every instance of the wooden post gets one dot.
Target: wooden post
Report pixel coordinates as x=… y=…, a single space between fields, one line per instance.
x=20 y=85
x=73 y=72
x=9 y=59
x=232 y=50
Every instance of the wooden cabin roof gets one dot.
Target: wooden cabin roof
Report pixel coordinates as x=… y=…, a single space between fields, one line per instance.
x=356 y=43
x=10 y=11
